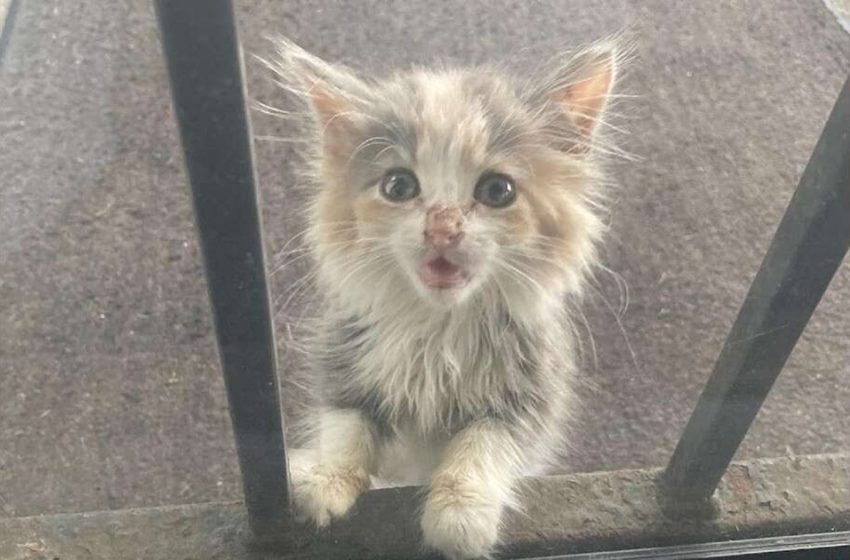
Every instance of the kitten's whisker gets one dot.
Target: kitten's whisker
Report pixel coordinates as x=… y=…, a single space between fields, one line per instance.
x=328 y=243
x=307 y=252
x=619 y=325
x=279 y=139
x=361 y=265
x=292 y=239
x=286 y=264
x=371 y=141
x=271 y=110
x=294 y=288
x=520 y=274
x=600 y=121
x=624 y=96
x=622 y=287
x=590 y=337
x=384 y=150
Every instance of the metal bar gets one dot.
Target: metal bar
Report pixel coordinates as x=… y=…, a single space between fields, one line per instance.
x=205 y=67
x=819 y=546
x=805 y=253
x=616 y=512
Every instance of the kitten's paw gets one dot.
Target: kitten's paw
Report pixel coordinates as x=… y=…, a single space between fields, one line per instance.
x=461 y=521
x=323 y=492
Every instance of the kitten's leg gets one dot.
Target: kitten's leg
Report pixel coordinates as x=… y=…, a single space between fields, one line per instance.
x=328 y=477
x=469 y=490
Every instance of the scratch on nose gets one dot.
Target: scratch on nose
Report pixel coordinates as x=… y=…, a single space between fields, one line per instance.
x=444 y=226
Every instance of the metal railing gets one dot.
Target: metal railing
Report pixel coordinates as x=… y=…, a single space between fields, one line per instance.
x=805 y=253
x=203 y=57
x=205 y=68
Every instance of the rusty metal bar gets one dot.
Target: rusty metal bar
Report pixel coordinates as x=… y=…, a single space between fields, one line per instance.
x=805 y=253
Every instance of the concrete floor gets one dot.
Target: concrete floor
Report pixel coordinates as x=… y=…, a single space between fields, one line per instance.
x=109 y=393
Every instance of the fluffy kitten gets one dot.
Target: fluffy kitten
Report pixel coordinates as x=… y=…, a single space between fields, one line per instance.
x=454 y=213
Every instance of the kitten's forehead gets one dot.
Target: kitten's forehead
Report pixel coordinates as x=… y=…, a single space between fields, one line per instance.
x=451 y=124
x=452 y=120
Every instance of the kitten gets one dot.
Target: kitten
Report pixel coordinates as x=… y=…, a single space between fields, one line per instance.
x=455 y=211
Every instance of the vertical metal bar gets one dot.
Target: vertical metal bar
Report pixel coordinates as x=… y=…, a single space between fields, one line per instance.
x=807 y=249
x=205 y=67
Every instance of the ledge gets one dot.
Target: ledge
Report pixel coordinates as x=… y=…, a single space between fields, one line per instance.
x=564 y=514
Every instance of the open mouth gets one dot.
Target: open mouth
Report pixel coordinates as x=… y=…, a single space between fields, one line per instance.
x=442 y=274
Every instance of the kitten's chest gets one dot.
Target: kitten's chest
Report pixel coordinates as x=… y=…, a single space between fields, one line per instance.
x=436 y=378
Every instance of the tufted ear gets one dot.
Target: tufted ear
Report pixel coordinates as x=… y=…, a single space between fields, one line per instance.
x=582 y=85
x=586 y=94
x=327 y=103
x=337 y=96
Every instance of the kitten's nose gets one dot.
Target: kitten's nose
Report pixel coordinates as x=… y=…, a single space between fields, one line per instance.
x=444 y=226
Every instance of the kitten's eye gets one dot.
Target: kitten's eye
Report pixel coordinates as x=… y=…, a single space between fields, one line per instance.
x=400 y=185
x=495 y=190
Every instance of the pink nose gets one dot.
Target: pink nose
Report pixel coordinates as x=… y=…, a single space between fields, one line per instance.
x=444 y=226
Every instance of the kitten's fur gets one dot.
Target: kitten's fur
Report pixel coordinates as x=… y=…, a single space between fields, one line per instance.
x=464 y=389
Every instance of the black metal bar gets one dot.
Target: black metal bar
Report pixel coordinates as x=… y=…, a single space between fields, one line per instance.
x=205 y=67
x=805 y=253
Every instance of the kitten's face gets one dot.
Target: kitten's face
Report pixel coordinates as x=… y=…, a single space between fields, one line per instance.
x=456 y=184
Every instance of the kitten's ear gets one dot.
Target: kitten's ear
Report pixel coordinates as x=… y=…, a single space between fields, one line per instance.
x=335 y=94
x=583 y=85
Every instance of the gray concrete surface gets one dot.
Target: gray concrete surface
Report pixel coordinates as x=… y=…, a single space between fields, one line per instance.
x=109 y=394
x=841 y=10
x=618 y=512
x=4 y=11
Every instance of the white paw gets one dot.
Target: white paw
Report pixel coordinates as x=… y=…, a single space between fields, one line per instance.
x=322 y=492
x=460 y=522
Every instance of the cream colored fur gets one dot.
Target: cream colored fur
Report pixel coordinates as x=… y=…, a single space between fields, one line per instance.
x=462 y=390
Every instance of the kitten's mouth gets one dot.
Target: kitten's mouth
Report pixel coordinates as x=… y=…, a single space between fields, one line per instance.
x=442 y=274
